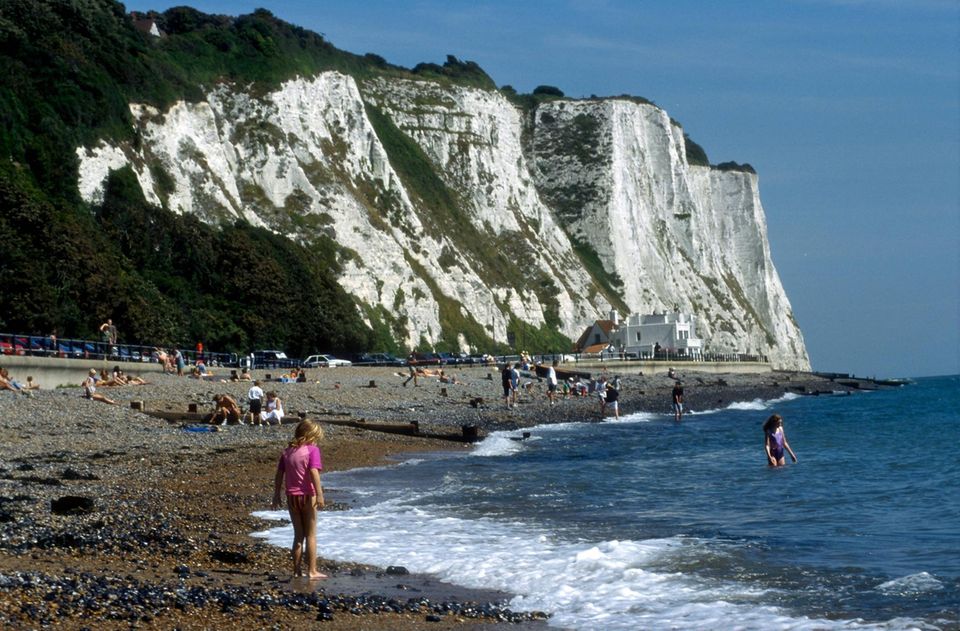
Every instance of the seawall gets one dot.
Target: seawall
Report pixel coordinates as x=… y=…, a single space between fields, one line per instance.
x=51 y=372
x=649 y=367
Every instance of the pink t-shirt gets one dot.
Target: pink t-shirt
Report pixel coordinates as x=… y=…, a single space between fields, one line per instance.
x=295 y=463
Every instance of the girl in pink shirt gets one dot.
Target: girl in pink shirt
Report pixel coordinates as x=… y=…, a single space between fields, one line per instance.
x=299 y=471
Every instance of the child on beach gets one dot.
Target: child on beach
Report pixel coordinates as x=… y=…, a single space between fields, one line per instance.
x=255 y=400
x=775 y=441
x=299 y=471
x=90 y=388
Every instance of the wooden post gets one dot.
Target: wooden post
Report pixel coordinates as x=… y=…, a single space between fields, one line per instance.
x=415 y=426
x=373 y=383
x=443 y=392
x=191 y=407
x=136 y=405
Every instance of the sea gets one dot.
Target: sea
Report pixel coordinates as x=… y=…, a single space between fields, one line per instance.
x=646 y=523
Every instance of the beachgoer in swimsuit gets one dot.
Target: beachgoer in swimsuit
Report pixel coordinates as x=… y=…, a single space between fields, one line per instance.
x=299 y=471
x=775 y=442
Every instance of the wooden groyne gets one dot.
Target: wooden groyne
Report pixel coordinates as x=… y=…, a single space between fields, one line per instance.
x=468 y=433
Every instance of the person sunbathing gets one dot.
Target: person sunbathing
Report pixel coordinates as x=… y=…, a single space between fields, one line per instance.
x=6 y=383
x=106 y=380
x=451 y=379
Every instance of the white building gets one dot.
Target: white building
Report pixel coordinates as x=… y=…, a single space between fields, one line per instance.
x=646 y=335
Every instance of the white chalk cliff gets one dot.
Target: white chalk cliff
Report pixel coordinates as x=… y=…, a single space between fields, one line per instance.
x=474 y=210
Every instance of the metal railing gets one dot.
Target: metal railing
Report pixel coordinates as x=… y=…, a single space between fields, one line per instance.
x=55 y=347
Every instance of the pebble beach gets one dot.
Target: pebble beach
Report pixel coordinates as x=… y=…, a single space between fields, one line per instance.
x=113 y=518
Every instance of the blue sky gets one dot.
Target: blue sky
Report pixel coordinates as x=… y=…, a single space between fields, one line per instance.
x=848 y=109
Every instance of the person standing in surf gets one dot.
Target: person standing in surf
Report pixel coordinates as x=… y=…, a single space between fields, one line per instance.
x=775 y=441
x=299 y=471
x=677 y=397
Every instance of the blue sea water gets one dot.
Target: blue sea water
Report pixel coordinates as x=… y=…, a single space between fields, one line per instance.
x=649 y=524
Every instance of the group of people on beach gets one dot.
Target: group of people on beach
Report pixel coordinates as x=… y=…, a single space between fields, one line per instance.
x=607 y=392
x=108 y=380
x=9 y=383
x=263 y=408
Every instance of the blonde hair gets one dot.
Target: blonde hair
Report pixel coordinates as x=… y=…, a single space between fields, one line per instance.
x=307 y=433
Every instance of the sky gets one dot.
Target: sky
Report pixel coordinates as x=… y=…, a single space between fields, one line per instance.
x=849 y=110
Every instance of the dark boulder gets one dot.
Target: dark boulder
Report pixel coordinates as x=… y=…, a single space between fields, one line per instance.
x=72 y=505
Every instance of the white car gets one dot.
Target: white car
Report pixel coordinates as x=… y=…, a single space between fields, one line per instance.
x=324 y=361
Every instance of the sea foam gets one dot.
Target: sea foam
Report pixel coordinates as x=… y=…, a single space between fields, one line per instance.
x=583 y=585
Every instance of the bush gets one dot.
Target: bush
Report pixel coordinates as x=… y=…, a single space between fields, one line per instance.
x=733 y=166
x=547 y=90
x=695 y=153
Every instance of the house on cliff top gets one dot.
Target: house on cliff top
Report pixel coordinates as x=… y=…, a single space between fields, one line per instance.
x=145 y=24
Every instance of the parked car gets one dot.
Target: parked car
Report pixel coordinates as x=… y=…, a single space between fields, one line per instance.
x=273 y=359
x=426 y=359
x=269 y=355
x=452 y=359
x=324 y=361
x=378 y=359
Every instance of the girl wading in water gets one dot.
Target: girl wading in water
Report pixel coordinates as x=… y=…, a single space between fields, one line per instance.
x=299 y=468
x=775 y=441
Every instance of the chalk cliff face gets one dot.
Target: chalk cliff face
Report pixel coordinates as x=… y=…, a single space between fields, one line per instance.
x=675 y=234
x=455 y=209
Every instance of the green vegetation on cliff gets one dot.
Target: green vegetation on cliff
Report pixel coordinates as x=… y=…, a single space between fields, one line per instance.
x=166 y=278
x=70 y=71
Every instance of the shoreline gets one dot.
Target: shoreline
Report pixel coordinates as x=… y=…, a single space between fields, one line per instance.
x=166 y=539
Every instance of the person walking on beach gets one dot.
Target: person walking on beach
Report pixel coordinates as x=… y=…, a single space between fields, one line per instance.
x=775 y=441
x=255 y=402
x=677 y=401
x=412 y=366
x=515 y=382
x=298 y=471
x=506 y=381
x=552 y=381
